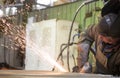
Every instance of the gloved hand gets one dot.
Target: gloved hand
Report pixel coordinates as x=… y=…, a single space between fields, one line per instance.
x=87 y=68
x=75 y=69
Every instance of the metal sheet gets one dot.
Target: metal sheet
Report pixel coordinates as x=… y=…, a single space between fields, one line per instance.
x=47 y=74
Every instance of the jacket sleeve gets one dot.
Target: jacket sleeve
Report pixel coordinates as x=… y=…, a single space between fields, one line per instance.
x=85 y=41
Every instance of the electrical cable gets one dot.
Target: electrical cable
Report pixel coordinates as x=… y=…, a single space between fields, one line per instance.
x=61 y=51
x=75 y=36
x=74 y=60
x=84 y=3
x=63 y=48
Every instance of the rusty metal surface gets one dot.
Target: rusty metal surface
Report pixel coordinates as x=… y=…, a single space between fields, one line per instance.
x=47 y=74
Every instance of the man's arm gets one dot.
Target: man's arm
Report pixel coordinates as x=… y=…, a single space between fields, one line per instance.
x=85 y=41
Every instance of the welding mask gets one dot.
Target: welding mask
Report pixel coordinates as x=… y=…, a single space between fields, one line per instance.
x=109 y=49
x=109 y=25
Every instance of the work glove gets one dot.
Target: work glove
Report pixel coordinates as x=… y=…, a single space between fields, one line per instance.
x=76 y=69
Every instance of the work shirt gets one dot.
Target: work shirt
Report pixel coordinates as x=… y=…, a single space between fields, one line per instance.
x=102 y=51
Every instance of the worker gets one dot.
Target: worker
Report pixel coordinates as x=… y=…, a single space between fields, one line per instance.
x=105 y=38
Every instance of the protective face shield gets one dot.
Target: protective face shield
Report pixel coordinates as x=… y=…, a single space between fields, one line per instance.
x=109 y=25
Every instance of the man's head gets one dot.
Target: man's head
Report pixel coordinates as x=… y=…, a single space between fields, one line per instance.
x=109 y=28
